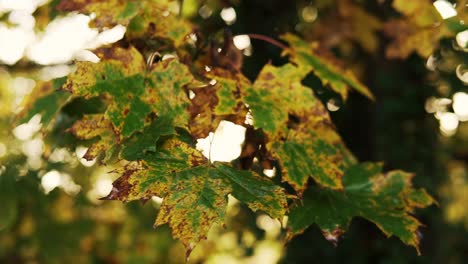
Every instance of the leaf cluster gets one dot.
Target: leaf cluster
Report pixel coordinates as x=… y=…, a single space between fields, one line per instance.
x=154 y=110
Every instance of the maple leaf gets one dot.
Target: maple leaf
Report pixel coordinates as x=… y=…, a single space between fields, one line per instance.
x=136 y=147
x=276 y=93
x=363 y=25
x=388 y=200
x=306 y=56
x=96 y=126
x=348 y=22
x=216 y=102
x=409 y=38
x=142 y=18
x=116 y=64
x=150 y=120
x=418 y=31
x=118 y=75
x=134 y=92
x=194 y=192
x=300 y=132
x=166 y=91
x=306 y=155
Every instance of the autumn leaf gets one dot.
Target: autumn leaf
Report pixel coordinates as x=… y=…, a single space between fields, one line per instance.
x=388 y=200
x=120 y=76
x=300 y=132
x=347 y=23
x=96 y=126
x=276 y=93
x=312 y=149
x=116 y=63
x=305 y=55
x=408 y=38
x=419 y=30
x=166 y=92
x=134 y=92
x=162 y=21
x=219 y=99
x=194 y=192
x=305 y=156
x=363 y=26
x=136 y=147
x=421 y=13
x=142 y=18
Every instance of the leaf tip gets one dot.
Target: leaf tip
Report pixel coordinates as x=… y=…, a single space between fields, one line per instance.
x=333 y=236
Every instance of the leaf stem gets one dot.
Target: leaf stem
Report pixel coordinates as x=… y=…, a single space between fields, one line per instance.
x=268 y=39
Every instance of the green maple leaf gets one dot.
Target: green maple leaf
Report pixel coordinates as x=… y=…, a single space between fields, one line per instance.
x=306 y=56
x=229 y=86
x=136 y=146
x=306 y=147
x=276 y=93
x=118 y=75
x=388 y=200
x=306 y=156
x=132 y=93
x=194 y=192
x=166 y=93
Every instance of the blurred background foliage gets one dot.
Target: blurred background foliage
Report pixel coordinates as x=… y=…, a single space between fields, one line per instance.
x=49 y=206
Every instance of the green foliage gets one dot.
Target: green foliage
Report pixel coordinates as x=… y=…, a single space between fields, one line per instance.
x=325 y=68
x=194 y=191
x=155 y=111
x=367 y=193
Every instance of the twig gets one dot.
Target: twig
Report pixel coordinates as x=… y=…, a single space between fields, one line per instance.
x=268 y=39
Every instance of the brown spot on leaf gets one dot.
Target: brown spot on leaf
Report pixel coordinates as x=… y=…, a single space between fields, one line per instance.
x=126 y=111
x=121 y=188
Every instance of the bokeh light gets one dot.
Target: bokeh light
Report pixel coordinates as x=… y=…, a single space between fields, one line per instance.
x=225 y=144
x=445 y=9
x=460 y=105
x=309 y=14
x=462 y=39
x=228 y=15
